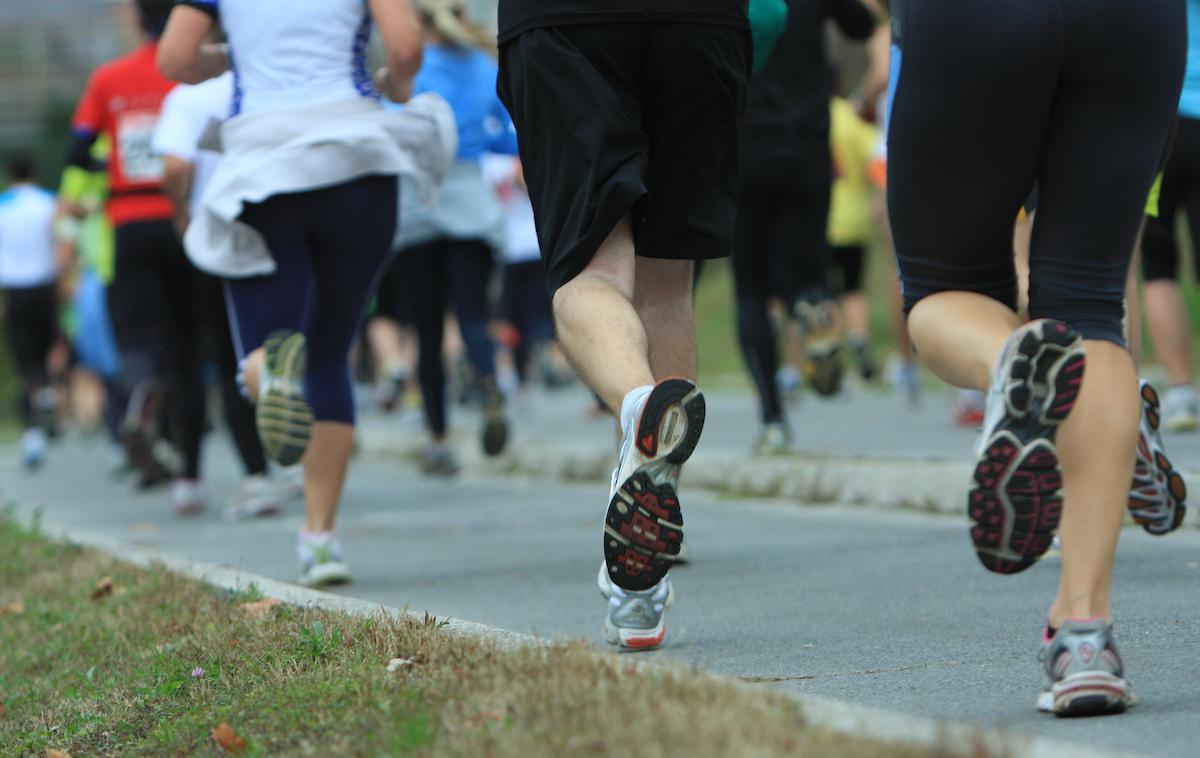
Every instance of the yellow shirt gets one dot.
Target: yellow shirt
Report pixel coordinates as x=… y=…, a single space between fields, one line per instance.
x=852 y=142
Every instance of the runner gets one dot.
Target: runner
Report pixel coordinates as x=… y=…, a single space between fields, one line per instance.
x=1087 y=122
x=1167 y=317
x=186 y=133
x=446 y=252
x=29 y=271
x=628 y=115
x=152 y=297
x=783 y=215
x=301 y=212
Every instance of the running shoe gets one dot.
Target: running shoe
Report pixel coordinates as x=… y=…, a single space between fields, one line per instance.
x=258 y=496
x=495 y=425
x=139 y=435
x=787 y=380
x=1158 y=493
x=776 y=439
x=822 y=346
x=33 y=447
x=188 y=497
x=643 y=528
x=321 y=562
x=438 y=460
x=969 y=408
x=1015 y=500
x=867 y=370
x=1181 y=409
x=635 y=620
x=1087 y=675
x=283 y=416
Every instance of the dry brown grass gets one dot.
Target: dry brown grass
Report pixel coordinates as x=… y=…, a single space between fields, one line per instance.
x=114 y=676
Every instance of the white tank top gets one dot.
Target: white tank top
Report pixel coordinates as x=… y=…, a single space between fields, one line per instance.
x=27 y=251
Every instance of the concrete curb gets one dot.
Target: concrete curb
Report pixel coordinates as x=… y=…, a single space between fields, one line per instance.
x=929 y=485
x=837 y=716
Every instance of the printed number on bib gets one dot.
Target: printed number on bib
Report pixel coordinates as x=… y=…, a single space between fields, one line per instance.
x=135 y=133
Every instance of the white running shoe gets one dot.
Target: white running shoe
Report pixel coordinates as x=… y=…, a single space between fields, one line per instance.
x=188 y=497
x=259 y=495
x=33 y=447
x=635 y=620
x=1181 y=409
x=321 y=562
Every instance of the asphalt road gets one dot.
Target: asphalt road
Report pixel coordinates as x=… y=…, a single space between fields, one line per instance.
x=880 y=608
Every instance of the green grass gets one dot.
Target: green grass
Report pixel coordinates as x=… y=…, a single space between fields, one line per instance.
x=99 y=657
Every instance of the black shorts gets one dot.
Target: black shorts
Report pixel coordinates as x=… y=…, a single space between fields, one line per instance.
x=616 y=120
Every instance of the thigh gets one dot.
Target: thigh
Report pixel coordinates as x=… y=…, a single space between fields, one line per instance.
x=470 y=267
x=1110 y=119
x=260 y=305
x=574 y=95
x=694 y=92
x=965 y=138
x=137 y=296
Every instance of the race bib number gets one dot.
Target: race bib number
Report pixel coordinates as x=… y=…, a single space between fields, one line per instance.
x=135 y=133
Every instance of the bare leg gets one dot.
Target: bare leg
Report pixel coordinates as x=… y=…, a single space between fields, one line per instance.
x=1095 y=449
x=856 y=314
x=1133 y=313
x=599 y=328
x=325 y=466
x=662 y=296
x=960 y=335
x=1170 y=329
x=390 y=345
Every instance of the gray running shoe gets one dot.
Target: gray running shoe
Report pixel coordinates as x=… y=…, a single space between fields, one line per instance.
x=282 y=415
x=1158 y=494
x=1016 y=498
x=321 y=562
x=635 y=620
x=438 y=460
x=1087 y=675
x=776 y=439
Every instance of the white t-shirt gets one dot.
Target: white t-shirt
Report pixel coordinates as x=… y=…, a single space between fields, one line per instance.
x=291 y=53
x=189 y=114
x=28 y=257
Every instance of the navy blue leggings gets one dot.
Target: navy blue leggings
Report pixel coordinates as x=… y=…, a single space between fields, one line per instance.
x=330 y=246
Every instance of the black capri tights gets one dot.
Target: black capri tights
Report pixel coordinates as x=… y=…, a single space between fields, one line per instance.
x=1180 y=187
x=330 y=246
x=991 y=98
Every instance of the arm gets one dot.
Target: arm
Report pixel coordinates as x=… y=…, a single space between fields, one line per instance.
x=177 y=184
x=79 y=151
x=856 y=19
x=183 y=54
x=401 y=32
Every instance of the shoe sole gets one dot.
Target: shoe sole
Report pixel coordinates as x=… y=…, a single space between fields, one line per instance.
x=1016 y=500
x=1091 y=694
x=326 y=575
x=643 y=529
x=824 y=367
x=495 y=436
x=1158 y=495
x=283 y=417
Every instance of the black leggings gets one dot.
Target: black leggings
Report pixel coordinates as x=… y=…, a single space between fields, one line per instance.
x=220 y=351
x=31 y=326
x=154 y=304
x=436 y=273
x=525 y=304
x=330 y=246
x=1075 y=95
x=780 y=247
x=1180 y=188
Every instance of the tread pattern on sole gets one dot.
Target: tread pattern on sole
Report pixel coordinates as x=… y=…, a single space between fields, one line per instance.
x=283 y=416
x=643 y=532
x=1015 y=501
x=1158 y=493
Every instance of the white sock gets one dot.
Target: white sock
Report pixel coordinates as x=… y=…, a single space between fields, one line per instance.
x=632 y=404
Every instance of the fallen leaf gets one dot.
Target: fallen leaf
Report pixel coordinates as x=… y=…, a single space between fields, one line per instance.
x=260 y=609
x=52 y=753
x=228 y=739
x=15 y=608
x=396 y=664
x=104 y=588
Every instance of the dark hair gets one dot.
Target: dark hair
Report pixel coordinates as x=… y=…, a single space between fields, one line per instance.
x=21 y=167
x=153 y=15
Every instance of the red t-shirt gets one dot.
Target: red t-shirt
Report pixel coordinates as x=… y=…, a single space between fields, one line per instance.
x=123 y=99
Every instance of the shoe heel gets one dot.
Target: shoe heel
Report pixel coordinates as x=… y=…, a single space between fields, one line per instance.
x=667 y=395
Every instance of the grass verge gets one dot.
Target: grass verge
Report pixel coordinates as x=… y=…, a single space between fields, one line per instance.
x=99 y=657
